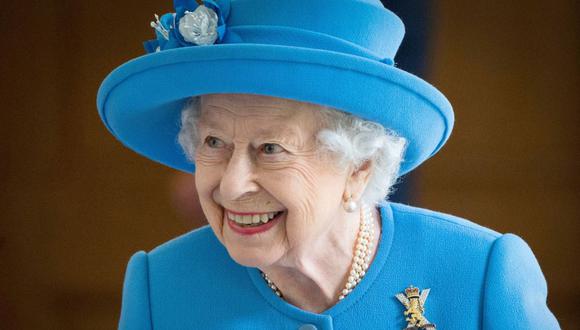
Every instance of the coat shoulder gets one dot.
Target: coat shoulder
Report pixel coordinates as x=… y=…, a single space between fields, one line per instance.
x=439 y=223
x=195 y=241
x=198 y=249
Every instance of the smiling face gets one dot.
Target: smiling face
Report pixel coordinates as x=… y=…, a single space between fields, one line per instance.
x=258 y=155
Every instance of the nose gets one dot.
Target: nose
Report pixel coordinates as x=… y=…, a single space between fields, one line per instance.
x=238 y=180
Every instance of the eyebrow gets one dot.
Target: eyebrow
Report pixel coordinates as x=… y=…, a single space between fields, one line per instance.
x=285 y=133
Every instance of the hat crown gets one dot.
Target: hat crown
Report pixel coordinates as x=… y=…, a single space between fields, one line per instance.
x=359 y=27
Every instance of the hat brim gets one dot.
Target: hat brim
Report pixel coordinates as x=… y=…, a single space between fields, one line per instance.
x=140 y=102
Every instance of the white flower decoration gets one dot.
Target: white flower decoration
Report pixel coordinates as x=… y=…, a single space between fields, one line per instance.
x=200 y=26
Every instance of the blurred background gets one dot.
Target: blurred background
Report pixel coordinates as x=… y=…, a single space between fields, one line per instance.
x=75 y=204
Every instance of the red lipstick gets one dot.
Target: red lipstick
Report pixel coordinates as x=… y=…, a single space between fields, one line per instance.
x=254 y=230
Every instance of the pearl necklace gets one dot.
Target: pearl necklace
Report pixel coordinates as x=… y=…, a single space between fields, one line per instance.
x=361 y=258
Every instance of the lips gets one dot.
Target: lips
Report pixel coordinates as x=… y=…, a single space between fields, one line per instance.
x=255 y=228
x=251 y=219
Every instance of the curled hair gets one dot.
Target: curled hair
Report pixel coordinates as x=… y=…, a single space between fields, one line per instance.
x=351 y=141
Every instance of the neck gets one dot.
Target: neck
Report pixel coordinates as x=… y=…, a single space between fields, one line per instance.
x=313 y=279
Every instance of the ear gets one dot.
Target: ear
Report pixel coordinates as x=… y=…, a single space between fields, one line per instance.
x=358 y=180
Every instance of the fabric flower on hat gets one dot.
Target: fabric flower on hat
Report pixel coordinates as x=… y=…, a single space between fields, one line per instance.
x=192 y=24
x=199 y=26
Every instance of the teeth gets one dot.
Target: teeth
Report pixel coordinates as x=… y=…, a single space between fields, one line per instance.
x=251 y=219
x=247 y=219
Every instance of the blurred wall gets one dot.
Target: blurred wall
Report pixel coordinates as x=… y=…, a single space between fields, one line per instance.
x=76 y=204
x=511 y=71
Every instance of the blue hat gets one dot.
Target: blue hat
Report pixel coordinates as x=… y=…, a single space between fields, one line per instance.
x=337 y=53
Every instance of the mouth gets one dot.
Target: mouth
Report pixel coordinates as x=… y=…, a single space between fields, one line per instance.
x=252 y=219
x=247 y=224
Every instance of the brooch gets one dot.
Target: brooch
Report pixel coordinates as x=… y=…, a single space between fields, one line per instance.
x=415 y=308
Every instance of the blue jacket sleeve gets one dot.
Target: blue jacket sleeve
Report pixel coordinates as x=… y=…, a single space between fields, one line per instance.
x=135 y=309
x=515 y=288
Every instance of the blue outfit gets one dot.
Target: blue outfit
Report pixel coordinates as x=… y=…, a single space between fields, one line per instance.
x=479 y=279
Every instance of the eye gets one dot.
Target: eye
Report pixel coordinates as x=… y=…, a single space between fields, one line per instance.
x=272 y=148
x=214 y=142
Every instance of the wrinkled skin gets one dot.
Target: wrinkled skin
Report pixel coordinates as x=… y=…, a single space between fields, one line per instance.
x=309 y=252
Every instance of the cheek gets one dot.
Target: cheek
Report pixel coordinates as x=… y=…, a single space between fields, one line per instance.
x=297 y=187
x=208 y=170
x=205 y=179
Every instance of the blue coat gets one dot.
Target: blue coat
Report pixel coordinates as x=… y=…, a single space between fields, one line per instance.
x=479 y=279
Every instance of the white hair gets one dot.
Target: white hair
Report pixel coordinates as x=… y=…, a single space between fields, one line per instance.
x=349 y=139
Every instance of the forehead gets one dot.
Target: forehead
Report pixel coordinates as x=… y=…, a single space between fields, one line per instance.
x=218 y=110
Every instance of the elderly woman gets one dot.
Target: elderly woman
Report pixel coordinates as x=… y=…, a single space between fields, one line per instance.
x=296 y=124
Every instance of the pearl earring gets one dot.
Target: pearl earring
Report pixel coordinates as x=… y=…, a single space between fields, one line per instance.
x=350 y=205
